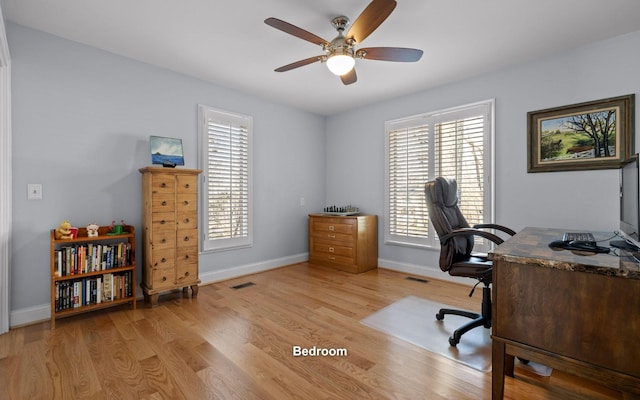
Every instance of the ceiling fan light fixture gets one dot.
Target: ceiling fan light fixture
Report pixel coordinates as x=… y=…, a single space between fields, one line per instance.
x=340 y=63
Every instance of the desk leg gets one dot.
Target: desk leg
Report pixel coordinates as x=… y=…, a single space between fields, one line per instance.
x=502 y=364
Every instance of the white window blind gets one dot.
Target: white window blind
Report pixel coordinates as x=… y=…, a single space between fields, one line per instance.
x=454 y=143
x=225 y=159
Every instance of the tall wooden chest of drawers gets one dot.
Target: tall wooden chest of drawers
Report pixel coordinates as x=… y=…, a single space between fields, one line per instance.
x=348 y=243
x=170 y=231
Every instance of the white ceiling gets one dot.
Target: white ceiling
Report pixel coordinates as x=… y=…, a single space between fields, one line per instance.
x=227 y=42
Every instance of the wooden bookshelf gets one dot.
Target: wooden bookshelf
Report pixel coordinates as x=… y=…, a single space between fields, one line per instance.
x=92 y=273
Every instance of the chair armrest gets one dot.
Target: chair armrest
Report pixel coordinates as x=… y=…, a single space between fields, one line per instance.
x=495 y=226
x=471 y=231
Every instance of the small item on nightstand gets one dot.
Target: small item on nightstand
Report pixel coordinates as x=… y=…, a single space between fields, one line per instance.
x=64 y=231
x=92 y=230
x=342 y=210
x=117 y=229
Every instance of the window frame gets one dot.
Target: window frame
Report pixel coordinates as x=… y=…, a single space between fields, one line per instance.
x=430 y=119
x=227 y=243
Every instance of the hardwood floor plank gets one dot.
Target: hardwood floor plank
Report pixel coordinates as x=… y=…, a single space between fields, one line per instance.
x=238 y=344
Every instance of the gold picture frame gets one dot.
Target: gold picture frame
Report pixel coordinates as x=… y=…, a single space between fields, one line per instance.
x=592 y=135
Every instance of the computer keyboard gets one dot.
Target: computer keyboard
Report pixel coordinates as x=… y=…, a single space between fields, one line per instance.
x=579 y=236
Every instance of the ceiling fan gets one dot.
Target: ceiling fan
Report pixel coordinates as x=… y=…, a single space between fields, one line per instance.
x=340 y=53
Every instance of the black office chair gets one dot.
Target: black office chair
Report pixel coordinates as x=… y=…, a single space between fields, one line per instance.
x=456 y=258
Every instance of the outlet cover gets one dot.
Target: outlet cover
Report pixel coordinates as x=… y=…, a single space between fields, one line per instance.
x=34 y=191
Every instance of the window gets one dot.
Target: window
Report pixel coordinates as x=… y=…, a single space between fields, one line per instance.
x=455 y=143
x=225 y=160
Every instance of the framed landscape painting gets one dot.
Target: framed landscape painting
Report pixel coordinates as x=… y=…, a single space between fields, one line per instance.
x=166 y=151
x=592 y=135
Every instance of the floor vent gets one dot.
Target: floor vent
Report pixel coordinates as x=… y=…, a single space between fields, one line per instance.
x=242 y=285
x=411 y=278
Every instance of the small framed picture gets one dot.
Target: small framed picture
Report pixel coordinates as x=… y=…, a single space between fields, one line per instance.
x=166 y=151
x=592 y=135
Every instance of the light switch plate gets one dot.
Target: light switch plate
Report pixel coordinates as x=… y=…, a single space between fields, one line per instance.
x=34 y=191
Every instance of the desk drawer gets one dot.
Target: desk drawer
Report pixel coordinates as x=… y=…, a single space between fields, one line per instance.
x=332 y=249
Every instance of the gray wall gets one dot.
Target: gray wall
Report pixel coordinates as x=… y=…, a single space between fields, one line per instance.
x=582 y=200
x=81 y=122
x=82 y=117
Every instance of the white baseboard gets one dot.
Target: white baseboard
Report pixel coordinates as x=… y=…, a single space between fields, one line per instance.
x=42 y=312
x=30 y=315
x=423 y=270
x=241 y=270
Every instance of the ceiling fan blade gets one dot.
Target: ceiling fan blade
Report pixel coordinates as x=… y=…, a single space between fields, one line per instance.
x=390 y=54
x=350 y=77
x=299 y=64
x=295 y=31
x=370 y=19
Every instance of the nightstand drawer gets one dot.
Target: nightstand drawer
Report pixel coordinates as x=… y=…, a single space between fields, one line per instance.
x=187 y=237
x=332 y=249
x=334 y=225
x=187 y=274
x=186 y=202
x=187 y=220
x=160 y=220
x=333 y=236
x=163 y=239
x=163 y=183
x=163 y=203
x=163 y=258
x=163 y=277
x=187 y=184
x=187 y=254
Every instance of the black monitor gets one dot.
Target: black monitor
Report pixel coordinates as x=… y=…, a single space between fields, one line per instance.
x=629 y=205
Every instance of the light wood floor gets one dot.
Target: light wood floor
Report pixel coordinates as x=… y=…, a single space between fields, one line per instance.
x=237 y=344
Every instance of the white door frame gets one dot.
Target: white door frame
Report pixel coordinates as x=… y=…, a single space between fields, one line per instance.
x=5 y=176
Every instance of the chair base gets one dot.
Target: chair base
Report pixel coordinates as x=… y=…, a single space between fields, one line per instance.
x=477 y=320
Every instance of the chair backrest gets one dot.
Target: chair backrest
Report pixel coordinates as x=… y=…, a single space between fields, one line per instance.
x=445 y=215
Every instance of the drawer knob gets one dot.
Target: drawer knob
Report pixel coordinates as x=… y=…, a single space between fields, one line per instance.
x=163 y=185
x=186 y=273
x=163 y=222
x=186 y=238
x=164 y=260
x=187 y=186
x=164 y=203
x=163 y=240
x=186 y=256
x=186 y=203
x=164 y=278
x=332 y=228
x=331 y=249
x=186 y=220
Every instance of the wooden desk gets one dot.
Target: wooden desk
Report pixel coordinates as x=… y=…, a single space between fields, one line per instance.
x=576 y=313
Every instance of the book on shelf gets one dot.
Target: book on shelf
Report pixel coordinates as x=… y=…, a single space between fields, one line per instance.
x=81 y=292
x=82 y=258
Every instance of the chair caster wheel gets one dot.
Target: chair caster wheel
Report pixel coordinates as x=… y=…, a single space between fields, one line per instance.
x=439 y=316
x=453 y=341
